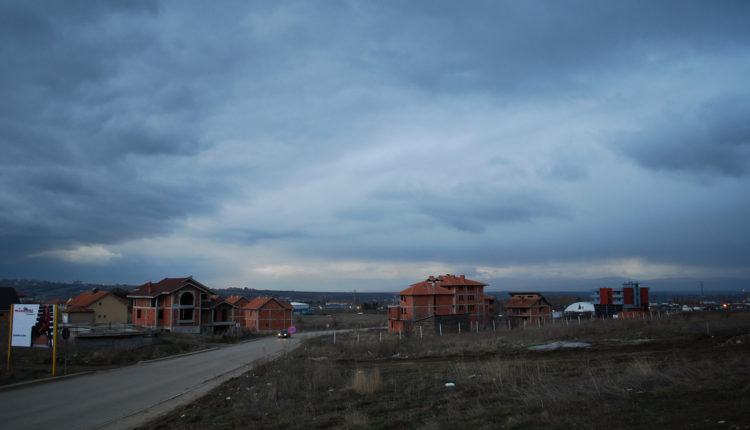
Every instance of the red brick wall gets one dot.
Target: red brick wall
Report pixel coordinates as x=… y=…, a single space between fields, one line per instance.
x=271 y=317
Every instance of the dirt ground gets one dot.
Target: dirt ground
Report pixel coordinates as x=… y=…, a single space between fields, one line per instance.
x=677 y=373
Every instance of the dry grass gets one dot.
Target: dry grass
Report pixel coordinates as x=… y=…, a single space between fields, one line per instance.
x=340 y=320
x=72 y=357
x=365 y=381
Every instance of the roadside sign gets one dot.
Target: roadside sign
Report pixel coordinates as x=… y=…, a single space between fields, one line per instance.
x=292 y=329
x=33 y=325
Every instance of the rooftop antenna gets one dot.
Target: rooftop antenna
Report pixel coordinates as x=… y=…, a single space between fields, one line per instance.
x=701 y=292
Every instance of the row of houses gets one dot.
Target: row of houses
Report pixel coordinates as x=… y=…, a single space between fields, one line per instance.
x=178 y=305
x=450 y=300
x=186 y=305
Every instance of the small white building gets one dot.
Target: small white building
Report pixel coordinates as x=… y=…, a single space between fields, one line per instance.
x=580 y=309
x=298 y=307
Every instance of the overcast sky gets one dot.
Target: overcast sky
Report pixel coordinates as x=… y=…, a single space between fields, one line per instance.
x=337 y=145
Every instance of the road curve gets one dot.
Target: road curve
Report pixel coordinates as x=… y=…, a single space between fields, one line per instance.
x=130 y=396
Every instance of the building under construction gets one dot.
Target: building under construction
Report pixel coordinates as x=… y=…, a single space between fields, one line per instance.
x=442 y=302
x=630 y=300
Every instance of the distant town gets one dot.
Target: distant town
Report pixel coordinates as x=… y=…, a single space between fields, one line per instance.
x=438 y=302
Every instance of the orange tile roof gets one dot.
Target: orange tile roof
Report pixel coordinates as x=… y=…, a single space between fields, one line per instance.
x=235 y=299
x=86 y=298
x=425 y=289
x=259 y=302
x=451 y=280
x=524 y=300
x=216 y=301
x=166 y=286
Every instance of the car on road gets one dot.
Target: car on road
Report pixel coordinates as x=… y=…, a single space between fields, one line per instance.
x=283 y=334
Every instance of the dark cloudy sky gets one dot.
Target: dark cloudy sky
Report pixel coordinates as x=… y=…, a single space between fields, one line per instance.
x=342 y=144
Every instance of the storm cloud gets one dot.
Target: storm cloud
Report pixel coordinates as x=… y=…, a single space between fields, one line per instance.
x=336 y=144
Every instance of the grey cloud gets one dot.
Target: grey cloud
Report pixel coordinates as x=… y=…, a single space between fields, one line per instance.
x=475 y=216
x=714 y=138
x=118 y=121
x=471 y=208
x=541 y=47
x=91 y=108
x=249 y=236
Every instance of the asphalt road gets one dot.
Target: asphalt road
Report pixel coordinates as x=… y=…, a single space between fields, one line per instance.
x=130 y=396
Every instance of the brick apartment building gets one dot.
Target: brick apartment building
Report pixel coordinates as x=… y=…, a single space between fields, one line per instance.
x=631 y=300
x=528 y=308
x=444 y=300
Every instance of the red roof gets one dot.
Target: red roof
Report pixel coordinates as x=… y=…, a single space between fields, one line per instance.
x=216 y=301
x=451 y=281
x=166 y=286
x=259 y=302
x=235 y=299
x=86 y=299
x=524 y=300
x=425 y=289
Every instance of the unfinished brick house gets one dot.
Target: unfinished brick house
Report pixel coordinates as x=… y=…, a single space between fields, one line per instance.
x=239 y=314
x=218 y=315
x=180 y=305
x=445 y=300
x=528 y=308
x=267 y=314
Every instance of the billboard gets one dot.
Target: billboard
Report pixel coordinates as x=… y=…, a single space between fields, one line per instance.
x=33 y=325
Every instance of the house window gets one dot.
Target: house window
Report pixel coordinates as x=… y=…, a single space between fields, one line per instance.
x=138 y=313
x=187 y=305
x=223 y=314
x=161 y=314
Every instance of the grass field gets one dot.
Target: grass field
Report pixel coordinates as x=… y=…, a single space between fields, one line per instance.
x=687 y=371
x=36 y=363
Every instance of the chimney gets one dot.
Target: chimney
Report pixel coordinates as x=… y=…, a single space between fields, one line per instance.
x=148 y=287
